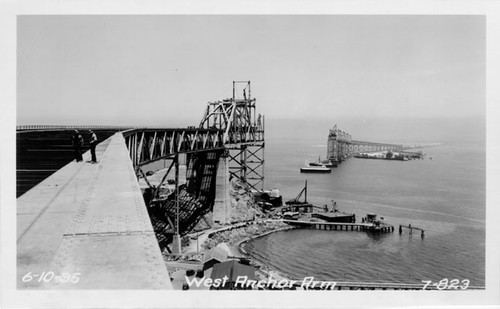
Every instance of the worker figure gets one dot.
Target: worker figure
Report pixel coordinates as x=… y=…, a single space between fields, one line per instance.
x=93 y=143
x=77 y=141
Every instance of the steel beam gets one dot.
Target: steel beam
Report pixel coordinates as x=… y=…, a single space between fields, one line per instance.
x=174 y=141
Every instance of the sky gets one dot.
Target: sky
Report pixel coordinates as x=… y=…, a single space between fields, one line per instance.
x=162 y=70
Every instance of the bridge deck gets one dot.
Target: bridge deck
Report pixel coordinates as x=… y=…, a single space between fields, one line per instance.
x=91 y=220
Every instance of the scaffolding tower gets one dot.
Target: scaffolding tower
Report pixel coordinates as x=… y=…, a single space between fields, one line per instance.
x=243 y=133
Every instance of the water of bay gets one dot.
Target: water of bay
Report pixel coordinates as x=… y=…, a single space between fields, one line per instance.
x=444 y=195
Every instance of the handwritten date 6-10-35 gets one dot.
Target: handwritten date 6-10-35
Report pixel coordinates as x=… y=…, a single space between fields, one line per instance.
x=50 y=276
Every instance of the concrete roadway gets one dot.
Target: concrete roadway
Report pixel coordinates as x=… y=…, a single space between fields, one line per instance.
x=87 y=227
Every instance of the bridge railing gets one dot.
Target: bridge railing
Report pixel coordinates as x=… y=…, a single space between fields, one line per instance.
x=70 y=127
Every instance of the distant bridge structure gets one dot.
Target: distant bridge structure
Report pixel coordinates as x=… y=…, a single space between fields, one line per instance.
x=341 y=146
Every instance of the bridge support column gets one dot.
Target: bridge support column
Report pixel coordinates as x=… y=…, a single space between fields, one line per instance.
x=176 y=241
x=222 y=204
x=330 y=152
x=176 y=244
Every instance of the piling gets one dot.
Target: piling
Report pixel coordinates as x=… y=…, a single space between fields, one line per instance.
x=422 y=234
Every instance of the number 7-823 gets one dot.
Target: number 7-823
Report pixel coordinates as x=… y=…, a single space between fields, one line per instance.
x=446 y=284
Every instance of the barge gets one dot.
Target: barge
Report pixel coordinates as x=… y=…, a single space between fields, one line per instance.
x=389 y=155
x=335 y=215
x=296 y=205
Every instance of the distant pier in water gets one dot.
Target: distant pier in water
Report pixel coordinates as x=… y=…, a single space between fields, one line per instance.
x=341 y=146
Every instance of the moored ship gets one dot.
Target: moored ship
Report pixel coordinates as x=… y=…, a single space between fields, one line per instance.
x=335 y=215
x=315 y=169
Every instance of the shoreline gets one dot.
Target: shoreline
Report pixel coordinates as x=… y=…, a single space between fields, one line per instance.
x=264 y=270
x=239 y=232
x=240 y=243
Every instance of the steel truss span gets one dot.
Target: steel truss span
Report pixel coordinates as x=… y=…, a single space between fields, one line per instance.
x=232 y=125
x=149 y=145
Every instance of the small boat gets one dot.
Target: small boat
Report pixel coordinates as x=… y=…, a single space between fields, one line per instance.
x=325 y=163
x=315 y=169
x=329 y=163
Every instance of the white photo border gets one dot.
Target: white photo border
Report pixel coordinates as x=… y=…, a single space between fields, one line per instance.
x=13 y=298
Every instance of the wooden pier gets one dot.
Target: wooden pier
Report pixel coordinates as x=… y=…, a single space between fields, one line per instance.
x=411 y=228
x=340 y=226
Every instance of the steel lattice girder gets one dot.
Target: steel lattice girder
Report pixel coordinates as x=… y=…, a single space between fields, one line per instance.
x=148 y=145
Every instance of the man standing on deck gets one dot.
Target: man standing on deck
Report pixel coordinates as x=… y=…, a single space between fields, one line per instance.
x=93 y=143
x=77 y=146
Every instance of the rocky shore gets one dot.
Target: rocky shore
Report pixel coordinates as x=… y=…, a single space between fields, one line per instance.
x=243 y=206
x=239 y=234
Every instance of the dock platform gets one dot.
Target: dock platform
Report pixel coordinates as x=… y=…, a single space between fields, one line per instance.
x=340 y=226
x=87 y=227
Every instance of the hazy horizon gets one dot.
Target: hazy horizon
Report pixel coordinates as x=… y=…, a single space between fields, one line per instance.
x=384 y=130
x=162 y=70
